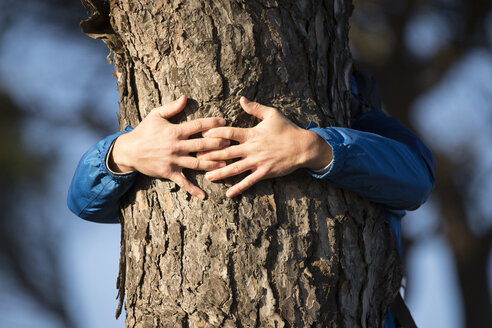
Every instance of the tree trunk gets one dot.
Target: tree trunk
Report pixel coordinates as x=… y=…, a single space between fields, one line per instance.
x=289 y=252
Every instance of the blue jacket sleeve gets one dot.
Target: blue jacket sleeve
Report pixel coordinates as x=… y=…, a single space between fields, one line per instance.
x=95 y=192
x=380 y=160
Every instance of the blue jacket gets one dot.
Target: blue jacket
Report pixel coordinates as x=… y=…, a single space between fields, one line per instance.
x=378 y=159
x=95 y=192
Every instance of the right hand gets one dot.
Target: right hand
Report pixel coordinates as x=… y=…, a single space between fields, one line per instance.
x=161 y=149
x=273 y=148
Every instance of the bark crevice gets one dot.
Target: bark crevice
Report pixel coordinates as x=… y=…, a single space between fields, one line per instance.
x=216 y=38
x=233 y=311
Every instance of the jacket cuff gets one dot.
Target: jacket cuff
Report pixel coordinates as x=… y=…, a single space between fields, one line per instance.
x=335 y=140
x=104 y=153
x=107 y=162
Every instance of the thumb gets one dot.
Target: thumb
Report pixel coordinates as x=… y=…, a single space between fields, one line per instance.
x=172 y=108
x=254 y=108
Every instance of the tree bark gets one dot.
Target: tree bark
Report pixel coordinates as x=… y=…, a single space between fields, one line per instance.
x=289 y=252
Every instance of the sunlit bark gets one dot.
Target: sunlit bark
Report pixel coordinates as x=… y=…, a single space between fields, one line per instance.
x=290 y=252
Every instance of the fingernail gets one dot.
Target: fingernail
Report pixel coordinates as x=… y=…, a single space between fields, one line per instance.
x=222 y=164
x=205 y=133
x=201 y=196
x=209 y=176
x=229 y=193
x=246 y=101
x=222 y=121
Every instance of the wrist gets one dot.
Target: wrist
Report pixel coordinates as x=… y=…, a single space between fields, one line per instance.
x=118 y=157
x=316 y=152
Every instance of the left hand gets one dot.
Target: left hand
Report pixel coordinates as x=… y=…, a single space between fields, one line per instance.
x=160 y=149
x=273 y=148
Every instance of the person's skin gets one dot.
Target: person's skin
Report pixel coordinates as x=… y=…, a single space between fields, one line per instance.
x=273 y=148
x=160 y=149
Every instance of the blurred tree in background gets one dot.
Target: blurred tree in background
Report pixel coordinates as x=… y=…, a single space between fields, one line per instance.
x=416 y=49
x=411 y=45
x=31 y=276
x=28 y=256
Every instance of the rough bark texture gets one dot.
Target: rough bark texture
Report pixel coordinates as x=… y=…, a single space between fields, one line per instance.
x=290 y=252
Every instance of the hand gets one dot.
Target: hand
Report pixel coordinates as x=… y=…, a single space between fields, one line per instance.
x=273 y=148
x=160 y=149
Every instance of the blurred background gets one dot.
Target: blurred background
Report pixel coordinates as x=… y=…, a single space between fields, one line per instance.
x=433 y=59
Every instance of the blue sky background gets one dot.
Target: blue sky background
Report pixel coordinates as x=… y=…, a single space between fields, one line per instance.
x=55 y=73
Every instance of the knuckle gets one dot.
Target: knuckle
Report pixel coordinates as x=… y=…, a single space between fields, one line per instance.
x=210 y=122
x=197 y=125
x=252 y=134
x=199 y=144
x=173 y=148
x=216 y=143
x=212 y=165
x=173 y=131
x=195 y=164
x=185 y=184
x=257 y=147
x=213 y=143
x=236 y=169
x=176 y=179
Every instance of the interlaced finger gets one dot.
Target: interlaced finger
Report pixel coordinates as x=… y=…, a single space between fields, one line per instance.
x=202 y=144
x=196 y=164
x=192 y=127
x=229 y=170
x=201 y=154
x=224 y=154
x=184 y=183
x=231 y=133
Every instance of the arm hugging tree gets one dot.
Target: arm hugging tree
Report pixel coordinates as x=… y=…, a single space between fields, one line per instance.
x=288 y=252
